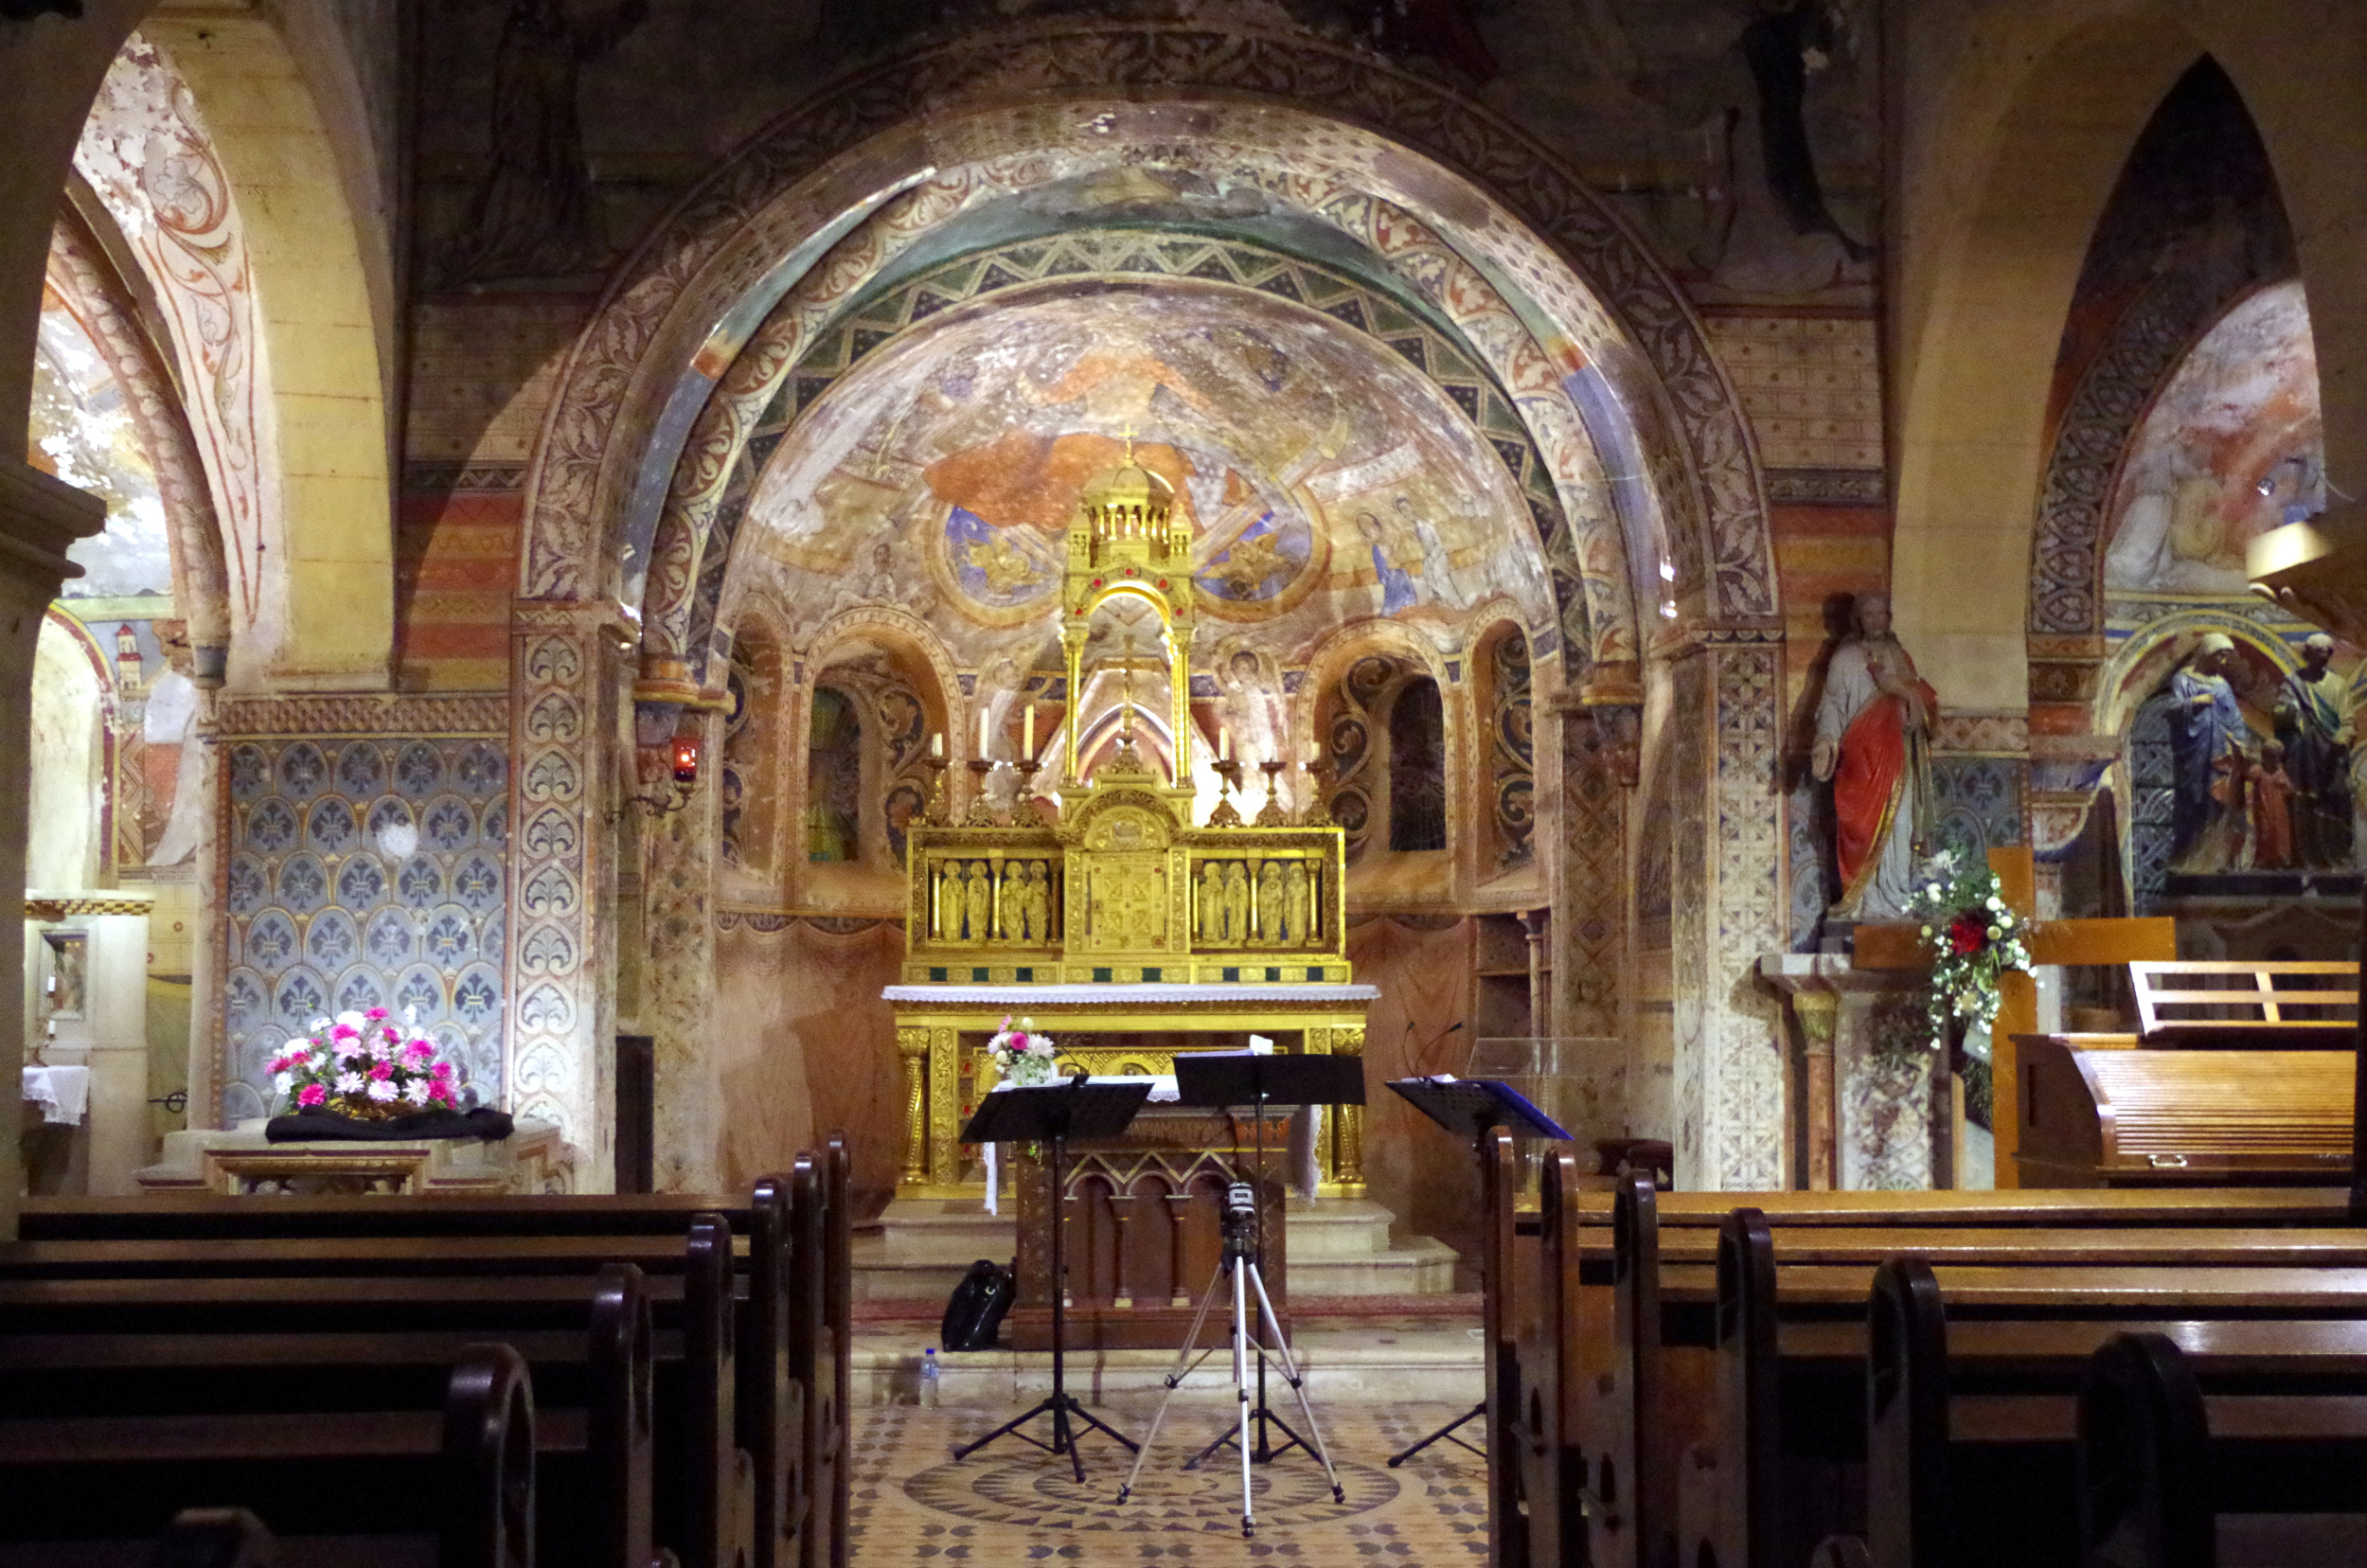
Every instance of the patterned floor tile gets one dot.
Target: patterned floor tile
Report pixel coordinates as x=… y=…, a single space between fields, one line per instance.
x=1014 y=1502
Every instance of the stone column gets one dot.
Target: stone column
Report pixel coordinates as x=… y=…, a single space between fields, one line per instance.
x=562 y=1051
x=39 y=517
x=678 y=920
x=1727 y=909
x=1589 y=882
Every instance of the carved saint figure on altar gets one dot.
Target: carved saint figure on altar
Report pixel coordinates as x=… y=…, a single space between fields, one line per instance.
x=1011 y=903
x=1873 y=737
x=1211 y=901
x=2314 y=716
x=1269 y=902
x=1235 y=903
x=2210 y=753
x=1039 y=900
x=980 y=893
x=1296 y=897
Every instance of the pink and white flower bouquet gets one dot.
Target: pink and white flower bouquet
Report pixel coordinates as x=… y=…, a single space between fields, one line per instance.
x=1023 y=1055
x=363 y=1066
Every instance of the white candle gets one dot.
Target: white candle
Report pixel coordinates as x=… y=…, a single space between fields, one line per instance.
x=1225 y=743
x=937 y=744
x=1027 y=732
x=982 y=731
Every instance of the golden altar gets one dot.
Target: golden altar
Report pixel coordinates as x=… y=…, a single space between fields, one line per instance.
x=1154 y=937
x=1125 y=932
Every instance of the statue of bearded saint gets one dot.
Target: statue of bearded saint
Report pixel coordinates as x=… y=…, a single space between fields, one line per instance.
x=1873 y=743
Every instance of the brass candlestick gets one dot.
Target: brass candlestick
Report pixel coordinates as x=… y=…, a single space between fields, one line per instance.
x=1270 y=814
x=933 y=812
x=1318 y=812
x=1224 y=815
x=981 y=809
x=1026 y=811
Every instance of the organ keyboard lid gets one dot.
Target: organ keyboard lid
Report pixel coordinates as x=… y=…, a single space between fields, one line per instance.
x=2112 y=1109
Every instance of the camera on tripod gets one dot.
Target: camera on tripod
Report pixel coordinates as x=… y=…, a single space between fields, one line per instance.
x=1239 y=1218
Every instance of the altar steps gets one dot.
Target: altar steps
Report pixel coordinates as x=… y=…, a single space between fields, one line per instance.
x=1402 y=1350
x=918 y=1249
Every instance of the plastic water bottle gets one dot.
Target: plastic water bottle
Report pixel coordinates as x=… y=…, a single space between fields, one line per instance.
x=929 y=1378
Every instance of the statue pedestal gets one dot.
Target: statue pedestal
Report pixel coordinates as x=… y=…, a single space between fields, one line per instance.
x=1878 y=1102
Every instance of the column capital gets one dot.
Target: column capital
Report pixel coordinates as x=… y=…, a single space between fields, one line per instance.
x=40 y=516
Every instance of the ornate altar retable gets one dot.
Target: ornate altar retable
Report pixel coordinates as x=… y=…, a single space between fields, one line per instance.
x=1125 y=932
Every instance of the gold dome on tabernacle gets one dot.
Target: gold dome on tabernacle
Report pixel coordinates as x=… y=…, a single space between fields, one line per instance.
x=1130 y=495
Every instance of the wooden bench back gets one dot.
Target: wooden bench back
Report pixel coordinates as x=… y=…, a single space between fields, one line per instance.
x=2203 y=1001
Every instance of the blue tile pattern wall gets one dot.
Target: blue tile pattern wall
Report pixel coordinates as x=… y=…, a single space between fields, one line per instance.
x=363 y=872
x=1977 y=803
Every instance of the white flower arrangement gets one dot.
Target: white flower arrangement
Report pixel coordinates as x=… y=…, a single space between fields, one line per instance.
x=1974 y=937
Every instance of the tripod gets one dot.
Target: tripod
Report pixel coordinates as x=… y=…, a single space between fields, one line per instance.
x=1052 y=1112
x=1237 y=1269
x=1261 y=1414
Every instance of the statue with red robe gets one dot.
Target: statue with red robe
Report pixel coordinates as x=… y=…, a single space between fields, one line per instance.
x=1873 y=743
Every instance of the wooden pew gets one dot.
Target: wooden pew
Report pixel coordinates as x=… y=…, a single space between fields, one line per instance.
x=312 y=1238
x=1784 y=1457
x=705 y=1500
x=2169 y=1479
x=1640 y=1361
x=461 y=1477
x=1970 y=1435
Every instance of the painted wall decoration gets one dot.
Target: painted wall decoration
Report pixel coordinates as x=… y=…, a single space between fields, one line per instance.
x=363 y=871
x=1512 y=750
x=2232 y=448
x=145 y=151
x=1337 y=454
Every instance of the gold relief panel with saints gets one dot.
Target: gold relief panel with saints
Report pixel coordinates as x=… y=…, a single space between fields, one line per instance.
x=1274 y=900
x=1123 y=889
x=986 y=897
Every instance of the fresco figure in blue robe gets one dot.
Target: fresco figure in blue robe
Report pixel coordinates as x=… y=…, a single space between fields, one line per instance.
x=2313 y=719
x=2208 y=746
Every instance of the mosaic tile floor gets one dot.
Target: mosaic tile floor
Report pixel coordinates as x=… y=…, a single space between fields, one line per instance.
x=1013 y=1503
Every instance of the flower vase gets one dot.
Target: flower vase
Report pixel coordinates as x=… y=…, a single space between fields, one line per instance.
x=1031 y=1072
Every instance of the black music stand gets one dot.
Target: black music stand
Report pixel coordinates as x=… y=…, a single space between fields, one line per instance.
x=1054 y=1114
x=1474 y=1106
x=1226 y=1078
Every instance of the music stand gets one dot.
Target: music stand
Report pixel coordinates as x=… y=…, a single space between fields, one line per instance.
x=1054 y=1114
x=1473 y=1106
x=1226 y=1078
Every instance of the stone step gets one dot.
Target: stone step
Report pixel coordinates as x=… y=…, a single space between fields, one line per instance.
x=920 y=1249
x=1342 y=1359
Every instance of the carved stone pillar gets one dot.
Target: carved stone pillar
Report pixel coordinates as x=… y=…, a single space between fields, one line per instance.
x=562 y=1047
x=1348 y=1145
x=1588 y=879
x=1877 y=1108
x=39 y=517
x=678 y=923
x=1727 y=904
x=912 y=1049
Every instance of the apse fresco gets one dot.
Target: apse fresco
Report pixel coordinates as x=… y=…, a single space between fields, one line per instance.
x=2231 y=449
x=1325 y=479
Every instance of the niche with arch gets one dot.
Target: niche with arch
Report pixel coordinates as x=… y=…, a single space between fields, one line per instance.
x=861 y=777
x=1385 y=726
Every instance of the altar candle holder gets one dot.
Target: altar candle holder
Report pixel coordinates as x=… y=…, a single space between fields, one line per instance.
x=1272 y=814
x=981 y=809
x=1026 y=812
x=1229 y=772
x=933 y=814
x=1318 y=812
